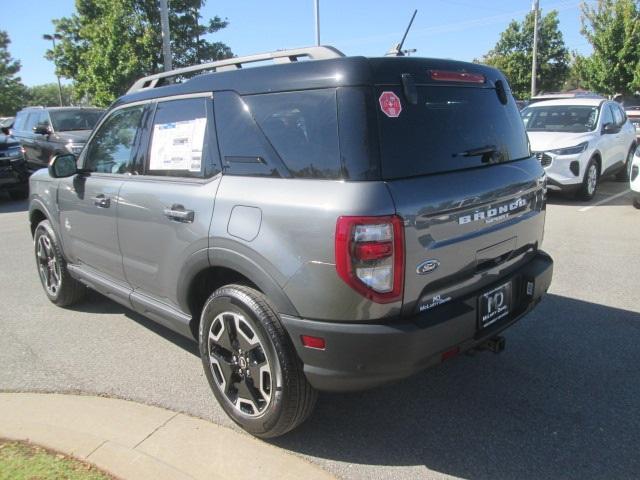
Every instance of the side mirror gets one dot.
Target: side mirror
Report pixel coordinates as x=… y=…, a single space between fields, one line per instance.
x=6 y=131
x=62 y=166
x=42 y=129
x=610 y=128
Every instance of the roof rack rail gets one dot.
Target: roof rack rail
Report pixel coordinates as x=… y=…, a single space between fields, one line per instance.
x=279 y=56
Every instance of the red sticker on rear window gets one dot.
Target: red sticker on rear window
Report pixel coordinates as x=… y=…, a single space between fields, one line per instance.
x=390 y=104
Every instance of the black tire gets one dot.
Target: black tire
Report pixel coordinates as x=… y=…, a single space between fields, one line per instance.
x=20 y=193
x=68 y=290
x=590 y=184
x=636 y=201
x=625 y=174
x=291 y=399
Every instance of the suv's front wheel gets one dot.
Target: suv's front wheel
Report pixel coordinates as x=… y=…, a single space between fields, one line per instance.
x=61 y=288
x=590 y=181
x=250 y=363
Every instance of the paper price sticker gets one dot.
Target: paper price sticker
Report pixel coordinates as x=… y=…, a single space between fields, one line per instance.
x=178 y=145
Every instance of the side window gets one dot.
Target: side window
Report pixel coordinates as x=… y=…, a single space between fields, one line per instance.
x=111 y=148
x=179 y=145
x=617 y=115
x=43 y=119
x=245 y=149
x=303 y=128
x=32 y=120
x=607 y=116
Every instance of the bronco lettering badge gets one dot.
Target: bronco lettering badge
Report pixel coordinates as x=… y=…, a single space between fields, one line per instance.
x=494 y=213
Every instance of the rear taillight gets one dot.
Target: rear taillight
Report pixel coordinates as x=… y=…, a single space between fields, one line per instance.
x=370 y=256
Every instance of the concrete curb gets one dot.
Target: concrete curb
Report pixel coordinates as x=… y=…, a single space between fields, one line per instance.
x=135 y=441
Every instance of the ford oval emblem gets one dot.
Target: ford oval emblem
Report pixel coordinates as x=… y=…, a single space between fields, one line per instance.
x=427 y=266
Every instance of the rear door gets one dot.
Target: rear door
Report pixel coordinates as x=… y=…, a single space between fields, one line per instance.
x=458 y=166
x=28 y=139
x=88 y=202
x=620 y=144
x=42 y=145
x=165 y=209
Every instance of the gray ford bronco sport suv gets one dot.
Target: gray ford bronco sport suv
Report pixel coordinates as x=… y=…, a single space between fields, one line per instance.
x=333 y=224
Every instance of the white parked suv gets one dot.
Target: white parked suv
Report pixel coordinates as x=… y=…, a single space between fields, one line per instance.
x=579 y=141
x=635 y=178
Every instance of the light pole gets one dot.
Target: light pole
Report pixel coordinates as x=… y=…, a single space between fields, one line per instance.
x=534 y=62
x=316 y=4
x=166 y=35
x=53 y=38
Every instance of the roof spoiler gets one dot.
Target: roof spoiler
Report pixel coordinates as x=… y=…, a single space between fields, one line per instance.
x=279 y=56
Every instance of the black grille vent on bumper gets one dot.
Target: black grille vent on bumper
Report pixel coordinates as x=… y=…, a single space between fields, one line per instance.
x=545 y=160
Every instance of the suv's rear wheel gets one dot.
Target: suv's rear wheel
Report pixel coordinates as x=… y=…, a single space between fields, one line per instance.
x=590 y=181
x=625 y=174
x=251 y=364
x=60 y=287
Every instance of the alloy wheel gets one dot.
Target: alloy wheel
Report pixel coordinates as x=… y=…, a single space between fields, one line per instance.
x=239 y=363
x=48 y=266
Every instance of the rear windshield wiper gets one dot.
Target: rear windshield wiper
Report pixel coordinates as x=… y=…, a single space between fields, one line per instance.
x=488 y=153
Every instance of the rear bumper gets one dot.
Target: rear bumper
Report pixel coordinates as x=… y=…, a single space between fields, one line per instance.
x=360 y=356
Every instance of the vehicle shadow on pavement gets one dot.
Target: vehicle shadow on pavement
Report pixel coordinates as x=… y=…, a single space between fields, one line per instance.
x=7 y=205
x=97 y=304
x=605 y=191
x=562 y=401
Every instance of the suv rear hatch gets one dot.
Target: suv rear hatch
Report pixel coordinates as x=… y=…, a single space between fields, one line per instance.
x=456 y=159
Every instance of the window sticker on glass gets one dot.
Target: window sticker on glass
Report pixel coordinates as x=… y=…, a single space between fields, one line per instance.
x=178 y=145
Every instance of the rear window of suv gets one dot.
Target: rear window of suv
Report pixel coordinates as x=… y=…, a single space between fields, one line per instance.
x=433 y=135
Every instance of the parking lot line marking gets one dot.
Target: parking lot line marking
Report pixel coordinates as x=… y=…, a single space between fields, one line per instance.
x=604 y=200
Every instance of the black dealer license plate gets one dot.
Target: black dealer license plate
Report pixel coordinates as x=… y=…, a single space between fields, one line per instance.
x=495 y=305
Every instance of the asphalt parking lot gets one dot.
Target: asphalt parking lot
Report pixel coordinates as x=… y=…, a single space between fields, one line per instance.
x=563 y=400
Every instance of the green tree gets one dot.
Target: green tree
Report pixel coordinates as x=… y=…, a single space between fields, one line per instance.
x=576 y=76
x=108 y=44
x=613 y=29
x=47 y=95
x=12 y=90
x=513 y=54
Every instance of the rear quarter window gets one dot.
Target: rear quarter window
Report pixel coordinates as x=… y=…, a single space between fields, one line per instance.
x=303 y=129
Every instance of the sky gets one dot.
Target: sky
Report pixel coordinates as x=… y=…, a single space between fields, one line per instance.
x=457 y=29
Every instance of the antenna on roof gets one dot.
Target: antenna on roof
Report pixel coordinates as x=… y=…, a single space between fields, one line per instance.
x=396 y=51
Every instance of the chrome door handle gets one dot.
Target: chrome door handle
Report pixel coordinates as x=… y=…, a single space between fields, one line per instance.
x=101 y=201
x=178 y=213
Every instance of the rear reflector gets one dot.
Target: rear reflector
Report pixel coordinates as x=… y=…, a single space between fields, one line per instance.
x=450 y=353
x=451 y=76
x=374 y=250
x=312 y=342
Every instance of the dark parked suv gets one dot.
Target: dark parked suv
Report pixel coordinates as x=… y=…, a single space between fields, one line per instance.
x=333 y=224
x=45 y=132
x=14 y=176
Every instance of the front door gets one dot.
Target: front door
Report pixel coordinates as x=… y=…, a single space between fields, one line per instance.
x=165 y=212
x=88 y=201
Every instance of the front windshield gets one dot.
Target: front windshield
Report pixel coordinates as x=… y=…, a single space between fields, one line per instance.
x=67 y=120
x=560 y=118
